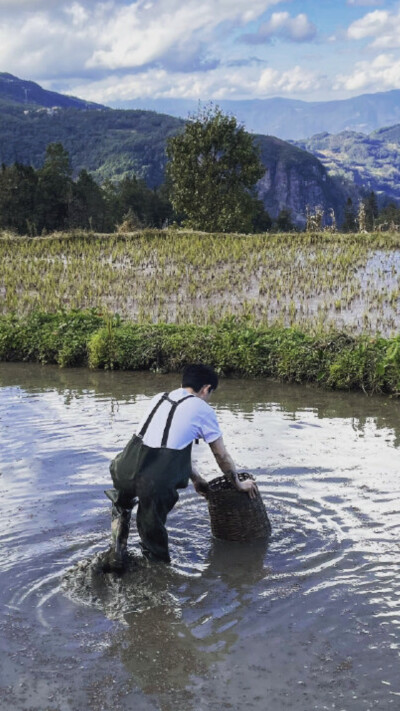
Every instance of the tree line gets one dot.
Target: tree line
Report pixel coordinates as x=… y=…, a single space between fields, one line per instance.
x=210 y=185
x=48 y=199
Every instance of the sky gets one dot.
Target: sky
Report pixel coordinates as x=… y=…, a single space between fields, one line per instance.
x=119 y=50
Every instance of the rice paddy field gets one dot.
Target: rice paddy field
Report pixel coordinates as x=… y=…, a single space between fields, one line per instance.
x=313 y=281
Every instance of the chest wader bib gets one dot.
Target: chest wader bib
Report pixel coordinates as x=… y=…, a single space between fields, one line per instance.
x=152 y=476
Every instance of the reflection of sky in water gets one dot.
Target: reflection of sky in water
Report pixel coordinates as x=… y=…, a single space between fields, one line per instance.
x=231 y=623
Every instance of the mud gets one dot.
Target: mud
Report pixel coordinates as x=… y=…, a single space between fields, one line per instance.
x=308 y=621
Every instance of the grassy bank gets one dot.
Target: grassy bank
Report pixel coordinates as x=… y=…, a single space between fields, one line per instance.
x=311 y=281
x=75 y=338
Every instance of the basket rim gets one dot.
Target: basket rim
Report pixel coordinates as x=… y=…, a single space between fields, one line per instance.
x=224 y=483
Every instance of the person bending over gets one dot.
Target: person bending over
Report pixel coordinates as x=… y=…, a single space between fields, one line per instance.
x=157 y=462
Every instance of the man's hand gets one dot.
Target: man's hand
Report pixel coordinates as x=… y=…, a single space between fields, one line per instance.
x=200 y=485
x=225 y=463
x=248 y=486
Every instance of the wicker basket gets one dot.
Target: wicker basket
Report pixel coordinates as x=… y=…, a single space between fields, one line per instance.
x=234 y=515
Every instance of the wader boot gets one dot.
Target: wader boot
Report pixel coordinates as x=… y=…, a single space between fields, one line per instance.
x=120 y=525
x=153 y=475
x=115 y=558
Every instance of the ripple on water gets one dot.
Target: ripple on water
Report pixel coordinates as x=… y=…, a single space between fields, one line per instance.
x=329 y=573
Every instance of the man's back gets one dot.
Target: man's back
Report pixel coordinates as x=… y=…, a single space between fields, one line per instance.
x=193 y=419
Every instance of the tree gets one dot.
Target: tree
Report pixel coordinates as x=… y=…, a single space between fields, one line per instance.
x=284 y=220
x=213 y=167
x=18 y=188
x=350 y=217
x=54 y=188
x=261 y=221
x=371 y=210
x=389 y=216
x=87 y=208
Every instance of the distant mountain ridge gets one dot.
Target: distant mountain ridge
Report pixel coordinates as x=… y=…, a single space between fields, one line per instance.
x=370 y=161
x=20 y=91
x=292 y=118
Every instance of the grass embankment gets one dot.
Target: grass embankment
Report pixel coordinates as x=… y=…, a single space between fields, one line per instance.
x=272 y=305
x=311 y=281
x=86 y=338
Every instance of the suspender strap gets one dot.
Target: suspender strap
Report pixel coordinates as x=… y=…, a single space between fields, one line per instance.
x=169 y=419
x=151 y=415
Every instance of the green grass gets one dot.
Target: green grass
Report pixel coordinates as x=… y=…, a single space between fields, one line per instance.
x=334 y=360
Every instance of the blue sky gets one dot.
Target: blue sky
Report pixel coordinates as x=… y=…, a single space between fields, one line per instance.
x=203 y=49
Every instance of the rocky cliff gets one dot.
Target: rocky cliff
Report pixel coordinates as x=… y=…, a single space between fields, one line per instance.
x=295 y=179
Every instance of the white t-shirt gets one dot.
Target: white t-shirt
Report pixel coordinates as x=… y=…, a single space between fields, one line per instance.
x=193 y=419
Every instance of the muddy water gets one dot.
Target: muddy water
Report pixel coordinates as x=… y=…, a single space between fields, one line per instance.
x=309 y=621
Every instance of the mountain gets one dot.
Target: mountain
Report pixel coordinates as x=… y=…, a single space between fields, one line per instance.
x=371 y=162
x=110 y=144
x=293 y=119
x=295 y=178
x=113 y=143
x=19 y=91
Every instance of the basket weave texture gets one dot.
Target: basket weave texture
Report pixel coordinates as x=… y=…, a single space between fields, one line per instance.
x=234 y=515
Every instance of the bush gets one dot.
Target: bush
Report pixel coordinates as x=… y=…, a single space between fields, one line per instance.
x=233 y=347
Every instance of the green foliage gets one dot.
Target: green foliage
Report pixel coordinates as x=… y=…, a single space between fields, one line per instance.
x=350 y=217
x=284 y=222
x=48 y=337
x=334 y=360
x=48 y=199
x=389 y=217
x=213 y=168
x=18 y=197
x=371 y=210
x=54 y=188
x=108 y=143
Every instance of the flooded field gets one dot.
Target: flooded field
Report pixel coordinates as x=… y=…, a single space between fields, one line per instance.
x=311 y=281
x=309 y=621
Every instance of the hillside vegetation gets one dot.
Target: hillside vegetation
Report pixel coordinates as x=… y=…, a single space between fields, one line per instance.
x=114 y=144
x=109 y=144
x=370 y=161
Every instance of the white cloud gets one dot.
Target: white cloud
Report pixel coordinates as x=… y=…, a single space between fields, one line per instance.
x=382 y=74
x=84 y=36
x=281 y=24
x=141 y=33
x=24 y=51
x=381 y=25
x=238 y=82
x=294 y=80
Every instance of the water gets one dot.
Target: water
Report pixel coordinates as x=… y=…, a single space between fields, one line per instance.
x=309 y=621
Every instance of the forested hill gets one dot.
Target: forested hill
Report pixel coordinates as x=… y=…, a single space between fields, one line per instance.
x=371 y=161
x=106 y=142
x=20 y=91
x=295 y=178
x=112 y=143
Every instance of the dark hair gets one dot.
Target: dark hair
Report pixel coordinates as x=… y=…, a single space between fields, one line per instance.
x=196 y=375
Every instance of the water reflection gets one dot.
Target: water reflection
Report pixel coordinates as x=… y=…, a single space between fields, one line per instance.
x=226 y=622
x=173 y=627
x=244 y=398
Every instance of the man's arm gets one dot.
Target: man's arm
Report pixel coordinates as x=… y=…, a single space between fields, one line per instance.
x=200 y=484
x=227 y=466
